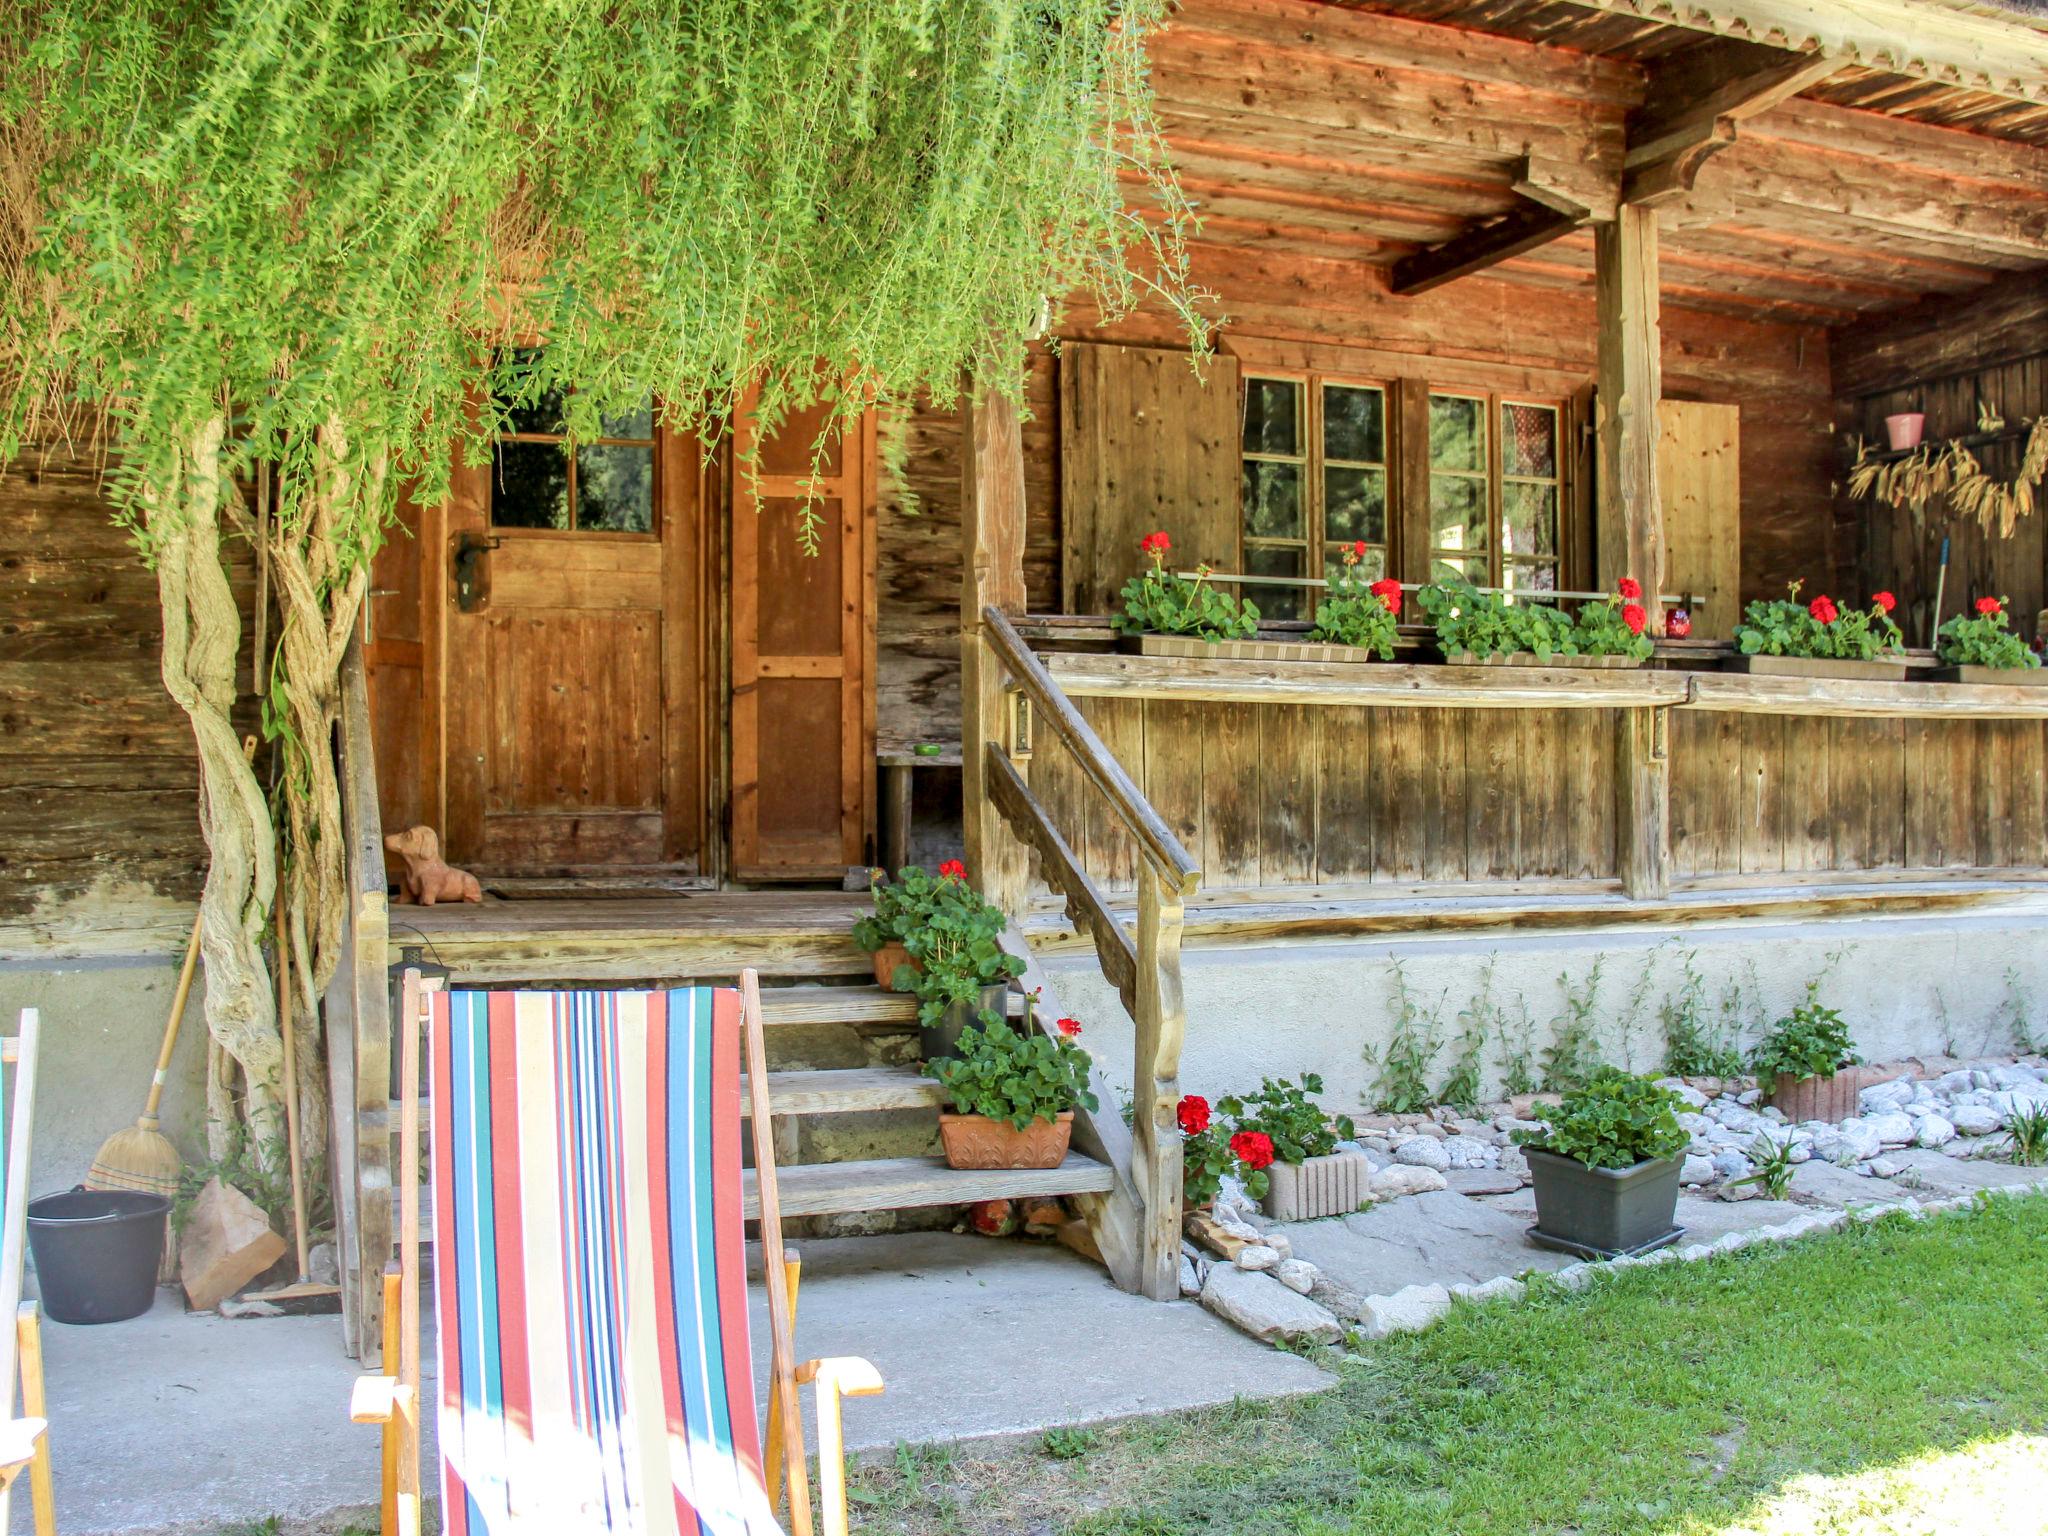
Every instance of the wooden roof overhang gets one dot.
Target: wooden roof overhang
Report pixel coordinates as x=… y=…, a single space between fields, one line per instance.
x=1805 y=172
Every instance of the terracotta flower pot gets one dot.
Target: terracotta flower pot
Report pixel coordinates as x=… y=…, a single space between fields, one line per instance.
x=1832 y=1099
x=1904 y=429
x=975 y=1141
x=887 y=958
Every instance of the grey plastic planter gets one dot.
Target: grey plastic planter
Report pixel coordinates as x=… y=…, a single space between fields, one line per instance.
x=1604 y=1212
x=943 y=1038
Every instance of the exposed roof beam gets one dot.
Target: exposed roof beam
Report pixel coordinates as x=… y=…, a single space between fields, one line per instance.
x=1950 y=41
x=1485 y=245
x=1692 y=105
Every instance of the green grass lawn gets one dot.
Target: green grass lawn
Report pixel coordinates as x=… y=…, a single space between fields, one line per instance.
x=1890 y=1378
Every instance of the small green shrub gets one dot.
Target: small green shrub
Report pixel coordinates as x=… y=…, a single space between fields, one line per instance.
x=1983 y=639
x=953 y=935
x=1573 y=1055
x=1517 y=1049
x=1461 y=1088
x=1356 y=612
x=1068 y=1444
x=2026 y=1137
x=1615 y=1121
x=1818 y=629
x=905 y=904
x=1209 y=1151
x=1694 y=1045
x=1297 y=1126
x=1163 y=602
x=1615 y=625
x=1487 y=624
x=1810 y=1041
x=1774 y=1166
x=1402 y=1084
x=1015 y=1075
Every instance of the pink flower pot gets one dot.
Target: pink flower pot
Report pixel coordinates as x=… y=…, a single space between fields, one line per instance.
x=1905 y=428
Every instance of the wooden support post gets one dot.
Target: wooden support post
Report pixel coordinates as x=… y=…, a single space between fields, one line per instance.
x=1642 y=793
x=992 y=576
x=1155 y=1083
x=1630 y=383
x=1411 y=482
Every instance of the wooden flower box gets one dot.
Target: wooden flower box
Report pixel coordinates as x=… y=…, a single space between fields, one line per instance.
x=1335 y=1185
x=2000 y=677
x=1241 y=650
x=1531 y=659
x=1815 y=666
x=1833 y=1099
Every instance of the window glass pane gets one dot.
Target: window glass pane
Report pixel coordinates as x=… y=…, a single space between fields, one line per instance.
x=1275 y=602
x=1272 y=416
x=638 y=422
x=614 y=489
x=1355 y=504
x=1530 y=515
x=1354 y=424
x=1457 y=432
x=1528 y=441
x=1272 y=500
x=1473 y=571
x=1532 y=576
x=1457 y=512
x=1372 y=566
x=543 y=416
x=530 y=486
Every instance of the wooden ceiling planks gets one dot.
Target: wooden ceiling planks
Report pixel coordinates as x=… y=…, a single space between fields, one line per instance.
x=1361 y=135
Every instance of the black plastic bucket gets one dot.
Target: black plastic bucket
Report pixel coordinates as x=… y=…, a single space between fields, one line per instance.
x=97 y=1252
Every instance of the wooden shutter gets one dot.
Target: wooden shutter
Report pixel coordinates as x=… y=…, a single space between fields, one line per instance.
x=803 y=713
x=1144 y=444
x=1697 y=452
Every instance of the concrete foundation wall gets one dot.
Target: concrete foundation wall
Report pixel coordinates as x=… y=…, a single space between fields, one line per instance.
x=1907 y=985
x=102 y=1023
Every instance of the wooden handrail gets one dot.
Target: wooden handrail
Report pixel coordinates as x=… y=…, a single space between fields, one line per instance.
x=1162 y=850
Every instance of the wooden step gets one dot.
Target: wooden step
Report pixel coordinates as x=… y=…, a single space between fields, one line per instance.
x=823 y=1189
x=853 y=1091
x=846 y=1005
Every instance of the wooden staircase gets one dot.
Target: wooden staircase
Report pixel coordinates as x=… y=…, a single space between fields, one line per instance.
x=882 y=1184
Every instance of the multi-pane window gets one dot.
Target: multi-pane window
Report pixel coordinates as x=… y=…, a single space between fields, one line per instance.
x=1315 y=483
x=540 y=479
x=1494 y=490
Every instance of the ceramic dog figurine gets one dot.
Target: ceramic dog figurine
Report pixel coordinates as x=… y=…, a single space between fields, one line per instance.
x=427 y=880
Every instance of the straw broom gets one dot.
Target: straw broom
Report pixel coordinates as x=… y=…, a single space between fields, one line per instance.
x=142 y=1157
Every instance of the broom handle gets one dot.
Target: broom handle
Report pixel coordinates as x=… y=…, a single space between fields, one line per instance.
x=291 y=1089
x=163 y=1057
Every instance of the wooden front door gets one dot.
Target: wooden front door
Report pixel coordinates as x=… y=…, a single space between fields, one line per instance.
x=803 y=639
x=575 y=654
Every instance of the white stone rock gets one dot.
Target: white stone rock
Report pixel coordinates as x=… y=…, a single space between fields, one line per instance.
x=1954 y=1082
x=1684 y=1090
x=1280 y=1243
x=1887 y=1167
x=1512 y=1161
x=1853 y=1141
x=1891 y=1128
x=2014 y=1077
x=1408 y=1310
x=1266 y=1309
x=1499 y=1288
x=1405 y=1179
x=1880 y=1097
x=1697 y=1170
x=1975 y=1119
x=1257 y=1256
x=1423 y=1152
x=1730 y=1165
x=1737 y=1120
x=1573 y=1277
x=1190 y=1282
x=1298 y=1275
x=1464 y=1151
x=1934 y=1130
x=1748 y=1098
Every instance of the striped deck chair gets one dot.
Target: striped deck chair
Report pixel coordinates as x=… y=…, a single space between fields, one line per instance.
x=595 y=1372
x=24 y=1441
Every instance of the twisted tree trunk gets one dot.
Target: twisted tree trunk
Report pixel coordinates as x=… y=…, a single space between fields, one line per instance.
x=202 y=637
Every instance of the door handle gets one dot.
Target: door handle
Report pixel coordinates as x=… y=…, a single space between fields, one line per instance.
x=472 y=571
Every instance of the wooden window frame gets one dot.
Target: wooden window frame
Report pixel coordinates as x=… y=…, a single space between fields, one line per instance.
x=1314 y=462
x=652 y=443
x=1496 y=480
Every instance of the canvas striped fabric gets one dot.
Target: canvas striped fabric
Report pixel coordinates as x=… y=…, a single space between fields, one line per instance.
x=589 y=1265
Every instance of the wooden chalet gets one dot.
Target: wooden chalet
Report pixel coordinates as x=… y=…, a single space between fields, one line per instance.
x=1544 y=292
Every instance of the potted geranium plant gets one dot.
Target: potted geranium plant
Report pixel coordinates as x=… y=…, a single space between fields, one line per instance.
x=1805 y=1058
x=1612 y=631
x=1981 y=648
x=1475 y=628
x=1355 y=620
x=958 y=966
x=1013 y=1093
x=1210 y=1151
x=1309 y=1177
x=1788 y=638
x=1167 y=614
x=1605 y=1166
x=902 y=907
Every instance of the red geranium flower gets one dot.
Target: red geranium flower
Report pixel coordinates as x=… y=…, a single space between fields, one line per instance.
x=1884 y=601
x=1388 y=591
x=1193 y=1114
x=1823 y=610
x=1634 y=617
x=1989 y=605
x=1253 y=1148
x=1629 y=588
x=1070 y=1027
x=1157 y=545
x=952 y=869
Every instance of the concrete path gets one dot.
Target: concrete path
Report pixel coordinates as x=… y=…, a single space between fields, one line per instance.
x=191 y=1425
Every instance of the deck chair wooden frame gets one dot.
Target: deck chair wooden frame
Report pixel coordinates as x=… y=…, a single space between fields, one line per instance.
x=393 y=1399
x=24 y=1441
